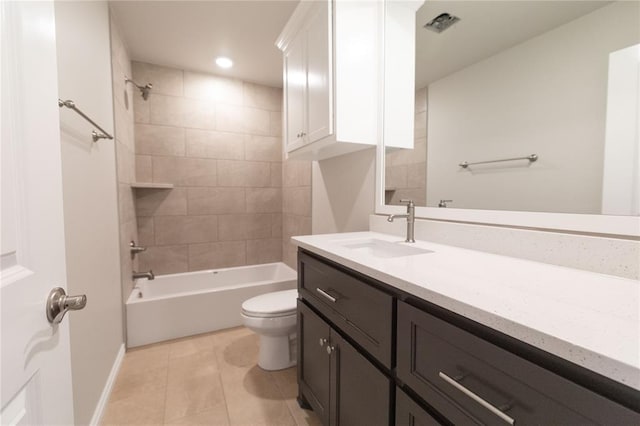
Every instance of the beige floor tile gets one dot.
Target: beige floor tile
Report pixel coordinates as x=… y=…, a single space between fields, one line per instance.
x=140 y=409
x=144 y=359
x=287 y=382
x=216 y=416
x=189 y=366
x=190 y=346
x=131 y=384
x=193 y=395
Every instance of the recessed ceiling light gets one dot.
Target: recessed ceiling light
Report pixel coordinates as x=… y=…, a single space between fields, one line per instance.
x=223 y=62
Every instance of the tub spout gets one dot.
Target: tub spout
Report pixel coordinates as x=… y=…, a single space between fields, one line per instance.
x=148 y=275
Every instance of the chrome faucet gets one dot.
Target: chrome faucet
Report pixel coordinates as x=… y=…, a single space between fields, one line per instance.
x=411 y=218
x=443 y=203
x=148 y=275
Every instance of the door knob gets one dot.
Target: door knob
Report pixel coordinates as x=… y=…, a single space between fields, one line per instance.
x=58 y=304
x=323 y=342
x=330 y=349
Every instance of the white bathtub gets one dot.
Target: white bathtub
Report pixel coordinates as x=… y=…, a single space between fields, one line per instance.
x=180 y=305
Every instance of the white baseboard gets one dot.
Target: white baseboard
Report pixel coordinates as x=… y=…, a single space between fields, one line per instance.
x=106 y=392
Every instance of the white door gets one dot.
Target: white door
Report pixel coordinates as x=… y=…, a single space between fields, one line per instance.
x=35 y=363
x=295 y=81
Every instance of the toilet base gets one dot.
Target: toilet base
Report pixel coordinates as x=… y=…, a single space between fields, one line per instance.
x=277 y=352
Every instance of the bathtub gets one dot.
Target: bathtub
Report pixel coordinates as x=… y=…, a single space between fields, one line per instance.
x=180 y=305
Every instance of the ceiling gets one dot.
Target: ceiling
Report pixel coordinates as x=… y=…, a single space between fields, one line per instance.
x=485 y=28
x=191 y=34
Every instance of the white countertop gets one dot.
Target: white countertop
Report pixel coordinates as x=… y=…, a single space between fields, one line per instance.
x=590 y=319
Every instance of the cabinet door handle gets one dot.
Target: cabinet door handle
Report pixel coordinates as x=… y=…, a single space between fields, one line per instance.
x=303 y=134
x=323 y=342
x=476 y=398
x=326 y=295
x=330 y=349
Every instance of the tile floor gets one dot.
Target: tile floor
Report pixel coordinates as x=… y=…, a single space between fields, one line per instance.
x=209 y=379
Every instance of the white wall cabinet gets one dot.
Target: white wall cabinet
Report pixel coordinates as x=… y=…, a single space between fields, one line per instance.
x=332 y=52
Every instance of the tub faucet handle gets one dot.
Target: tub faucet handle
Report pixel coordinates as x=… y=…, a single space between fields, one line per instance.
x=135 y=249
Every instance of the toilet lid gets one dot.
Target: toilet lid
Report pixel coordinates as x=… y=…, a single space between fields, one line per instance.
x=271 y=304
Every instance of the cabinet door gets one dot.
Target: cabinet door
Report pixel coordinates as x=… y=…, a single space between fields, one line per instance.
x=361 y=394
x=295 y=87
x=319 y=73
x=314 y=364
x=409 y=413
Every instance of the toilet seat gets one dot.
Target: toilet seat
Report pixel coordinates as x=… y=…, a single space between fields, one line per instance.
x=271 y=305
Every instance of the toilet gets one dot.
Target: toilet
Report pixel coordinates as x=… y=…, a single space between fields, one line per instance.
x=273 y=317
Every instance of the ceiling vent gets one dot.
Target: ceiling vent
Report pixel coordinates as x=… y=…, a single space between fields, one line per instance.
x=441 y=22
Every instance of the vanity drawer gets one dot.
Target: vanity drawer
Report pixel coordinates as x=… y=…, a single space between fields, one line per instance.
x=362 y=311
x=442 y=362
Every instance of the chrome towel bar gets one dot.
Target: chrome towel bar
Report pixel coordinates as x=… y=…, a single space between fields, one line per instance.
x=94 y=135
x=531 y=158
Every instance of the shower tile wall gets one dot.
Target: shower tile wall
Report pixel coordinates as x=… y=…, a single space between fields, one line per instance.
x=296 y=206
x=406 y=170
x=218 y=140
x=123 y=99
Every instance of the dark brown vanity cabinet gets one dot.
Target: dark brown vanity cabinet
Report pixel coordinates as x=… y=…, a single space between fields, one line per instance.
x=471 y=381
x=367 y=357
x=340 y=384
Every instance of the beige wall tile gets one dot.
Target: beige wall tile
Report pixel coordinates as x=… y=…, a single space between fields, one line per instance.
x=230 y=118
x=395 y=177
x=143 y=168
x=296 y=201
x=146 y=231
x=296 y=173
x=244 y=227
x=199 y=114
x=166 y=81
x=216 y=200
x=125 y=163
x=264 y=251
x=166 y=110
x=126 y=204
x=420 y=125
x=159 y=140
x=256 y=121
x=265 y=97
x=262 y=148
x=160 y=202
x=243 y=173
x=141 y=113
x=184 y=171
x=276 y=225
x=217 y=255
x=275 y=124
x=417 y=175
x=165 y=260
x=264 y=200
x=172 y=230
x=421 y=100
x=211 y=87
x=276 y=175
x=212 y=144
x=124 y=128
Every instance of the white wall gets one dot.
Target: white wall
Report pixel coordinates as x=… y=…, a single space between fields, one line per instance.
x=90 y=199
x=342 y=192
x=546 y=96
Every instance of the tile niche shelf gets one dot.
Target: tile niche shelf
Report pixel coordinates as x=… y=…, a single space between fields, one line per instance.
x=151 y=185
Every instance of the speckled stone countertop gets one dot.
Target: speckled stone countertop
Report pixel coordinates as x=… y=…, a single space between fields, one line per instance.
x=590 y=319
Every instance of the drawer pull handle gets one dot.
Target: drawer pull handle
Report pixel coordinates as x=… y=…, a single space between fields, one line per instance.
x=476 y=398
x=326 y=295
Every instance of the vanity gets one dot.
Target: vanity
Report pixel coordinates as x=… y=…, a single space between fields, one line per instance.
x=422 y=334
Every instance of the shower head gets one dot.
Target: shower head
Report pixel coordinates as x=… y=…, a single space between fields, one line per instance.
x=144 y=90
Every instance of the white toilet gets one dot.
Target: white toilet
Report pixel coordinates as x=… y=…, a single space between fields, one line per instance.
x=273 y=317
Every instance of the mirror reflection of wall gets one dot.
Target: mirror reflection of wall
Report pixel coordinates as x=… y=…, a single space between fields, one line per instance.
x=511 y=79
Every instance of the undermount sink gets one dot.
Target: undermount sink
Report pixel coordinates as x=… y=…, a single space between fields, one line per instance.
x=381 y=248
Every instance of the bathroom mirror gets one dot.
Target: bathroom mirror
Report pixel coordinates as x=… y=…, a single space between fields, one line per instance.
x=523 y=106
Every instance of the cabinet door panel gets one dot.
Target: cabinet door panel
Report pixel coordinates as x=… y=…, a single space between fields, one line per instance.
x=319 y=73
x=409 y=413
x=295 y=87
x=314 y=364
x=361 y=393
